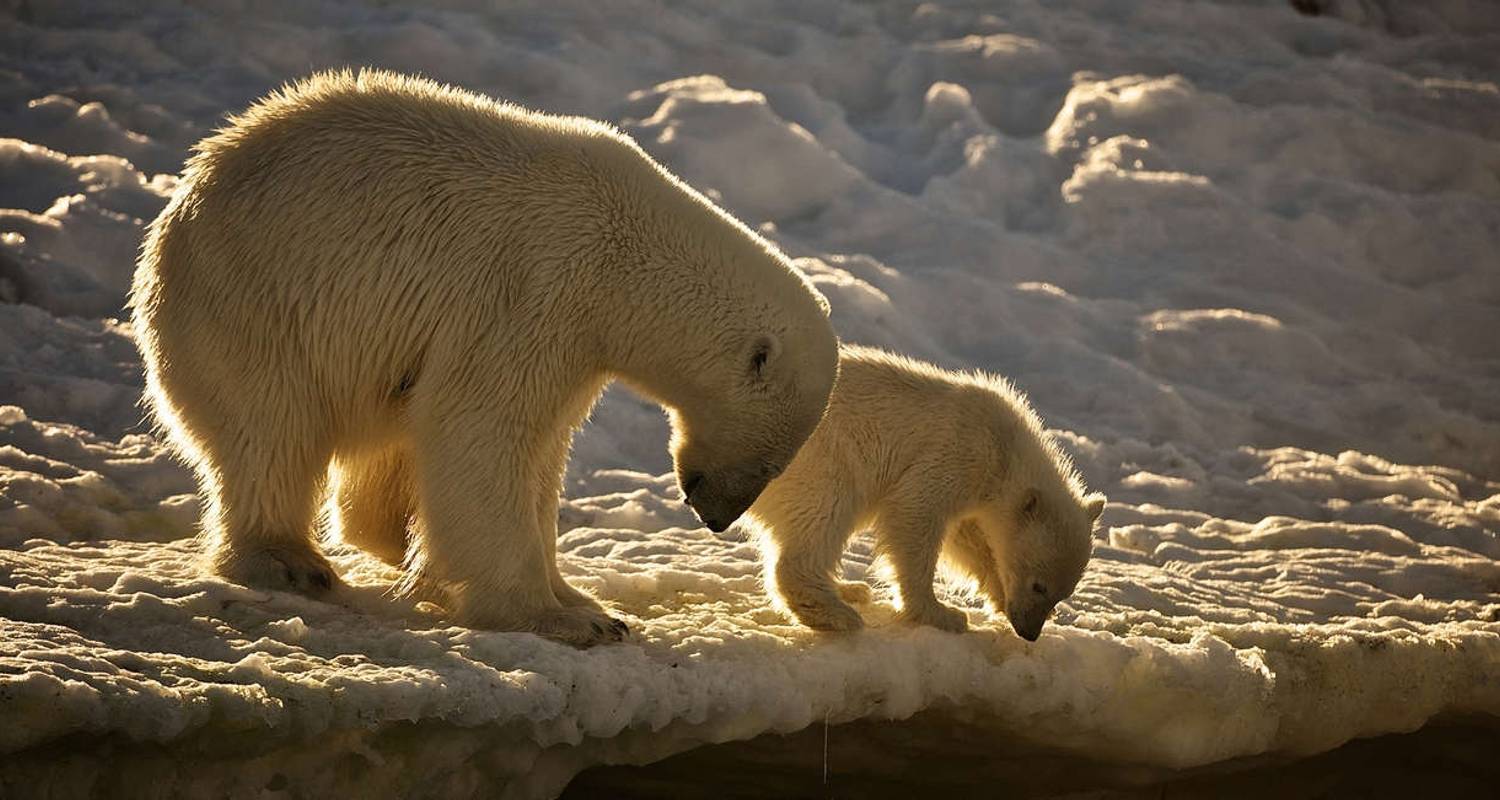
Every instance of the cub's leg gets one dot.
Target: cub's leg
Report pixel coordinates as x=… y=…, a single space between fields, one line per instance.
x=966 y=548
x=911 y=533
x=478 y=534
x=808 y=535
x=856 y=592
x=373 y=497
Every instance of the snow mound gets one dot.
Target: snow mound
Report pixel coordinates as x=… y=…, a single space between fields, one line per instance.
x=782 y=153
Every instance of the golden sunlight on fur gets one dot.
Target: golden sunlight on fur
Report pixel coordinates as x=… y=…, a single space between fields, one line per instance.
x=430 y=289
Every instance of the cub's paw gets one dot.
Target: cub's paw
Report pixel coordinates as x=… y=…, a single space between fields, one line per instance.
x=856 y=592
x=938 y=616
x=833 y=617
x=291 y=569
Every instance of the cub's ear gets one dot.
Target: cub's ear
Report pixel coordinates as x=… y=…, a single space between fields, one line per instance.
x=764 y=351
x=1094 y=504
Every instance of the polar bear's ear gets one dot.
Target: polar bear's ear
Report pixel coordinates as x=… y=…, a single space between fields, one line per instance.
x=764 y=350
x=1094 y=504
x=1031 y=502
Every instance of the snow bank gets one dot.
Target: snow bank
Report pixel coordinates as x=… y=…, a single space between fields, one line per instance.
x=1187 y=644
x=1242 y=258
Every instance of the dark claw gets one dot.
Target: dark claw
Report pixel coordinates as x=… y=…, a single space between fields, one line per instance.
x=291 y=577
x=596 y=627
x=619 y=627
x=322 y=580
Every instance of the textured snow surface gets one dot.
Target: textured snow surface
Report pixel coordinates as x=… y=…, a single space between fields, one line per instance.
x=1242 y=259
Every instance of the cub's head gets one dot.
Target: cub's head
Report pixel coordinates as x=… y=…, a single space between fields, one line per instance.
x=1027 y=553
x=757 y=404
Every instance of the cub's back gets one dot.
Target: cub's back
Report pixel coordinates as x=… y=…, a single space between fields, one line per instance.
x=898 y=392
x=888 y=412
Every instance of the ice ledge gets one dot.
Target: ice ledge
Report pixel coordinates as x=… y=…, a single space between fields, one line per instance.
x=119 y=657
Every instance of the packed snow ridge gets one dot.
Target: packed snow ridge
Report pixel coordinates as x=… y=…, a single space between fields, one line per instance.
x=1243 y=259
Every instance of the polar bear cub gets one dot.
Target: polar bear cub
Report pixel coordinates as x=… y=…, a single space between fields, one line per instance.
x=941 y=465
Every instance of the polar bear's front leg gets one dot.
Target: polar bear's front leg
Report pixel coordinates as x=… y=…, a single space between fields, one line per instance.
x=479 y=535
x=548 y=498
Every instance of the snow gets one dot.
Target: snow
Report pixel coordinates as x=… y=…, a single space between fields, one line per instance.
x=1242 y=259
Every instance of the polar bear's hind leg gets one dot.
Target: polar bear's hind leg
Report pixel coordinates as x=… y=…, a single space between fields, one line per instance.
x=262 y=484
x=373 y=499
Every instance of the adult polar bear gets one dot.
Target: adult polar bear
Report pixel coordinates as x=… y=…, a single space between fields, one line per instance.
x=428 y=290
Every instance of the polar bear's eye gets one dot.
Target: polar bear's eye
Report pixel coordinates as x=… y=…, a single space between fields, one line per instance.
x=1038 y=588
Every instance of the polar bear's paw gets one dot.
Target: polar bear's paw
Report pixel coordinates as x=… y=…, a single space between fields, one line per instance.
x=292 y=569
x=580 y=626
x=937 y=615
x=574 y=598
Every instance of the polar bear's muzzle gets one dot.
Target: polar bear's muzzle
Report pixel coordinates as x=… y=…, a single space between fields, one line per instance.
x=1027 y=620
x=718 y=501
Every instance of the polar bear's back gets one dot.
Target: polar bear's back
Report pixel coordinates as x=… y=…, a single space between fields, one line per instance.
x=403 y=157
x=365 y=211
x=337 y=122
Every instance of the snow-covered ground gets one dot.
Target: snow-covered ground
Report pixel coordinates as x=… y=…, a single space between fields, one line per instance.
x=1245 y=260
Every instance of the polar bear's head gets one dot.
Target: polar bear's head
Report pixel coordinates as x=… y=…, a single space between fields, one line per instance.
x=722 y=329
x=752 y=413
x=1027 y=553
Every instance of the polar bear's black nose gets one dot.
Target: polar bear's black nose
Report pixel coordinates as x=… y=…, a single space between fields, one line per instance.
x=1027 y=630
x=690 y=482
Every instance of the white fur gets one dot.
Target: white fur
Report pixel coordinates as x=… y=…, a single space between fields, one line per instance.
x=428 y=290
x=940 y=464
